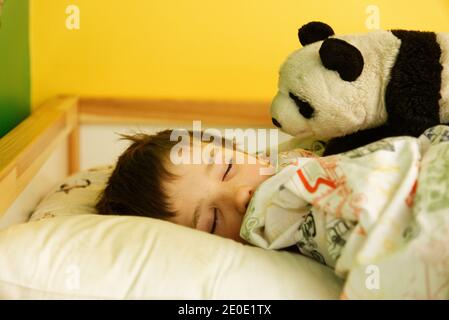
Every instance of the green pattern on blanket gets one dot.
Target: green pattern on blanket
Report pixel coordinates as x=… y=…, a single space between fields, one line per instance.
x=434 y=191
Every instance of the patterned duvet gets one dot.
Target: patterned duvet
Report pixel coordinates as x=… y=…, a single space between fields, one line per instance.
x=378 y=215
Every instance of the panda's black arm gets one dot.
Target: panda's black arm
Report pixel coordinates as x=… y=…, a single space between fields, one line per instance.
x=357 y=139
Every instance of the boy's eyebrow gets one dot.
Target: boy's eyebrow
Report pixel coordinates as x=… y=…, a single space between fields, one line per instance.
x=196 y=214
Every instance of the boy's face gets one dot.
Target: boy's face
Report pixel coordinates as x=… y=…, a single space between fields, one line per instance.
x=214 y=197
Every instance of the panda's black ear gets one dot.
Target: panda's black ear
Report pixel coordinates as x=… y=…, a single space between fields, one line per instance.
x=340 y=56
x=313 y=32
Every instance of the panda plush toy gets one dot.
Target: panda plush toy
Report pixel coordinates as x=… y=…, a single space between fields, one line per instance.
x=355 y=89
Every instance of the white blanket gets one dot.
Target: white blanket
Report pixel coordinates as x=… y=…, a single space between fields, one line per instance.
x=378 y=215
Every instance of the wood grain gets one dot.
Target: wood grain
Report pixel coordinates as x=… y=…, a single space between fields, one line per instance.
x=25 y=149
x=245 y=114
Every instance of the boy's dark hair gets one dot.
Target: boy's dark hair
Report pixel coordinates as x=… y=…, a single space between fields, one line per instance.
x=135 y=185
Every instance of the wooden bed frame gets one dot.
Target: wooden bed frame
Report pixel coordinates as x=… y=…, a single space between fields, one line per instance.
x=25 y=149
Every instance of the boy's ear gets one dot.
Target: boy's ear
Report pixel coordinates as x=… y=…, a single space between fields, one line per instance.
x=313 y=32
x=340 y=56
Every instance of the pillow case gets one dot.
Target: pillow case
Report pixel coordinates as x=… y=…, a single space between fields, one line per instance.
x=77 y=194
x=67 y=251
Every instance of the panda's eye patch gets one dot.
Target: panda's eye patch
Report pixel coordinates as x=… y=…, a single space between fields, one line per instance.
x=305 y=109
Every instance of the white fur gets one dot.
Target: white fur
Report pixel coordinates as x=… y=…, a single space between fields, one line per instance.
x=443 y=41
x=344 y=107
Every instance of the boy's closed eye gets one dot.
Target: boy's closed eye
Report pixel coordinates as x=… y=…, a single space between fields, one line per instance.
x=228 y=169
x=214 y=224
x=215 y=211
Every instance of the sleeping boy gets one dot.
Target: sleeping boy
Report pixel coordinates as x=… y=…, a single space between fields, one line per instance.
x=365 y=207
x=211 y=196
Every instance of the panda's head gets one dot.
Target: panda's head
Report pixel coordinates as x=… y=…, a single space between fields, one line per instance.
x=324 y=88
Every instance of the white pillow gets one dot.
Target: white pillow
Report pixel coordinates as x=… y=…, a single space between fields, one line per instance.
x=66 y=251
x=111 y=257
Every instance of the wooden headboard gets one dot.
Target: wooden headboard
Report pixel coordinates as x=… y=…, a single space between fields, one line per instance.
x=25 y=149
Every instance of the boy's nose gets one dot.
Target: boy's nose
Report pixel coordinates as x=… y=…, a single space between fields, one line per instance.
x=242 y=198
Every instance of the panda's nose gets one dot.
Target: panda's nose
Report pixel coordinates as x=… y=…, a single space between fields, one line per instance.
x=276 y=123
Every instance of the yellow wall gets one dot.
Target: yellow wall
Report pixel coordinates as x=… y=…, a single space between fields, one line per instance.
x=207 y=49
